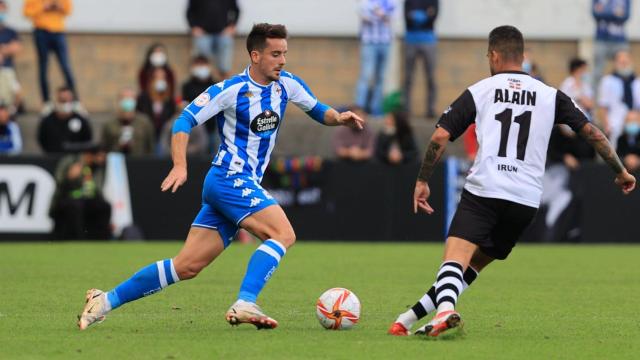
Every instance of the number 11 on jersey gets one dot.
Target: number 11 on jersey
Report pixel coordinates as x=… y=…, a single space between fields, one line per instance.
x=524 y=120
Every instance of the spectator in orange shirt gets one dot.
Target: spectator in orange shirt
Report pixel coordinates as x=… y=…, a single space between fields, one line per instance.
x=48 y=20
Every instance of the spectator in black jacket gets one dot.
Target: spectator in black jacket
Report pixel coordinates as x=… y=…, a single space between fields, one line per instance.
x=78 y=207
x=395 y=143
x=156 y=58
x=199 y=81
x=156 y=101
x=420 y=42
x=64 y=130
x=213 y=25
x=629 y=142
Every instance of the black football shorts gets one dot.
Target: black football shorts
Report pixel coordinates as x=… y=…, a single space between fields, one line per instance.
x=495 y=225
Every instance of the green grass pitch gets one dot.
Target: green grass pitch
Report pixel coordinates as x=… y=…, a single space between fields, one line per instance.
x=544 y=302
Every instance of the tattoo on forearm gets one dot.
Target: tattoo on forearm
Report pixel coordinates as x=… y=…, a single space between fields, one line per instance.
x=599 y=141
x=431 y=157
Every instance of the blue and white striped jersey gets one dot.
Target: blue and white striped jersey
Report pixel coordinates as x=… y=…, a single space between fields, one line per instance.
x=248 y=116
x=376 y=17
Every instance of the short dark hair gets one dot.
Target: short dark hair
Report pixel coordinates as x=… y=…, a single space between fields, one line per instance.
x=507 y=41
x=575 y=64
x=199 y=59
x=257 y=39
x=64 y=88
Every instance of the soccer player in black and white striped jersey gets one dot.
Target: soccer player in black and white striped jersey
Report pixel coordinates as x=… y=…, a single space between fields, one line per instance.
x=514 y=115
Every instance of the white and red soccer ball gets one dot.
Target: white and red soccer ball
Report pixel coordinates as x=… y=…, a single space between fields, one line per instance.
x=338 y=309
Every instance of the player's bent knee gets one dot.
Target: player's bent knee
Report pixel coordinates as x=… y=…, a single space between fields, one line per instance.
x=188 y=271
x=286 y=238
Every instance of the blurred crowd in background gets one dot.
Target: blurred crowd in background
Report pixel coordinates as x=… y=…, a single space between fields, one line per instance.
x=142 y=120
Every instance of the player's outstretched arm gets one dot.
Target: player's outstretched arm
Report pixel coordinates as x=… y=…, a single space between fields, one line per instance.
x=178 y=174
x=599 y=141
x=347 y=118
x=434 y=152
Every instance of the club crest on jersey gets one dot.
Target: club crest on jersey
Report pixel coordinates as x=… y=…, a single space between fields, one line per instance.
x=202 y=99
x=514 y=84
x=248 y=94
x=265 y=124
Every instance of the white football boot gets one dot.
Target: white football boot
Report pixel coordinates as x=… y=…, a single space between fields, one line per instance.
x=440 y=323
x=243 y=312
x=95 y=309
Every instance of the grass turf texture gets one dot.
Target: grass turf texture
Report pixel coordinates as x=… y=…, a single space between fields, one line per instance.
x=555 y=302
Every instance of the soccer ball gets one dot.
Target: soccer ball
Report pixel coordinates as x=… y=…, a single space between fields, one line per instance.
x=338 y=309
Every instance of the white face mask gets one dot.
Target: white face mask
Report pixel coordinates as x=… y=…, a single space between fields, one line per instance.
x=201 y=72
x=160 y=85
x=625 y=71
x=158 y=59
x=65 y=107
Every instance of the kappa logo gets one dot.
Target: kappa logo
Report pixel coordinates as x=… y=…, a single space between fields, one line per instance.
x=231 y=173
x=202 y=99
x=220 y=84
x=247 y=191
x=255 y=201
x=238 y=183
x=266 y=194
x=248 y=94
x=446 y=111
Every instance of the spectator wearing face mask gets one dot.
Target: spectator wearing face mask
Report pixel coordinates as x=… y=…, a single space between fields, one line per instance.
x=156 y=58
x=10 y=139
x=199 y=81
x=129 y=132
x=64 y=130
x=629 y=142
x=611 y=36
x=156 y=101
x=10 y=89
x=618 y=93
x=577 y=87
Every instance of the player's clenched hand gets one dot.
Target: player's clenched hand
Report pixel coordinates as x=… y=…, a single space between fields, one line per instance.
x=626 y=181
x=351 y=120
x=420 y=196
x=177 y=176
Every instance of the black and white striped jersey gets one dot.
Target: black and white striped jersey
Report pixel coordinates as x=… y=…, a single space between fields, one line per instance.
x=514 y=115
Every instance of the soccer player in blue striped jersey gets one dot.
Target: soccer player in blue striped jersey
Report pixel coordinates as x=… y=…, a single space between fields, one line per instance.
x=249 y=109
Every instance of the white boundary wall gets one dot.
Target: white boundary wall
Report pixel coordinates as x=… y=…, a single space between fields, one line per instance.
x=540 y=19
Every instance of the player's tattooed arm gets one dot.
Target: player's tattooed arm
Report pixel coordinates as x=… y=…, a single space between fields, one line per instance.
x=434 y=152
x=599 y=141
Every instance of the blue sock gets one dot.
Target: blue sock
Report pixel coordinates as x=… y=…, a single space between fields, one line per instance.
x=147 y=281
x=262 y=265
